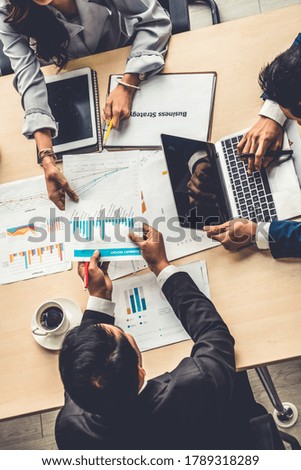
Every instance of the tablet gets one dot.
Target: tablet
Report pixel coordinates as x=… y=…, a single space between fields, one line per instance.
x=71 y=99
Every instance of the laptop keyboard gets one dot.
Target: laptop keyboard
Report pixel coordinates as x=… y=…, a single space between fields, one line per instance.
x=252 y=194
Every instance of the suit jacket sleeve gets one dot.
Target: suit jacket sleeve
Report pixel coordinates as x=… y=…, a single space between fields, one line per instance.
x=213 y=350
x=91 y=316
x=285 y=239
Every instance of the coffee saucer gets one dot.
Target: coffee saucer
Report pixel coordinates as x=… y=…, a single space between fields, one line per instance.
x=74 y=315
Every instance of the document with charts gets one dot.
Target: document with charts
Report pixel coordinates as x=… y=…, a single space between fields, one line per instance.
x=173 y=103
x=143 y=311
x=31 y=232
x=109 y=202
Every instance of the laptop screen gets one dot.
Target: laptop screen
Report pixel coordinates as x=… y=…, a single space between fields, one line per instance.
x=195 y=181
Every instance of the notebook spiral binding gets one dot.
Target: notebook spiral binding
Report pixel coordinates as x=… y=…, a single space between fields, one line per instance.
x=97 y=110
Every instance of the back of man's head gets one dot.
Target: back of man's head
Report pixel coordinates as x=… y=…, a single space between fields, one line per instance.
x=281 y=80
x=99 y=371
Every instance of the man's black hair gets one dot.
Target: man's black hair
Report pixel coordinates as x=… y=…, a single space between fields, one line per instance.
x=99 y=370
x=281 y=80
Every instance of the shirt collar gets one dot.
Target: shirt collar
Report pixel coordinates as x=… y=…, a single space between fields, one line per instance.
x=143 y=386
x=92 y=18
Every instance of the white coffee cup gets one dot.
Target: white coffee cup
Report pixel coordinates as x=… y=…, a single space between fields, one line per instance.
x=50 y=318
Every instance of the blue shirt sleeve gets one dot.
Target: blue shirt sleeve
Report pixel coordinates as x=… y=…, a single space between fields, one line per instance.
x=285 y=239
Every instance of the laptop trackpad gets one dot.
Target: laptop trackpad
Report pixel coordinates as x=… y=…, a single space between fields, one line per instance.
x=285 y=189
x=288 y=203
x=293 y=134
x=282 y=177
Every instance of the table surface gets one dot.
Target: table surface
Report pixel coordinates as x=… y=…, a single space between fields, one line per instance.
x=258 y=297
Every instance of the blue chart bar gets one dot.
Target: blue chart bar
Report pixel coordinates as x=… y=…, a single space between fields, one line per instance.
x=134 y=300
x=143 y=302
x=137 y=297
x=86 y=227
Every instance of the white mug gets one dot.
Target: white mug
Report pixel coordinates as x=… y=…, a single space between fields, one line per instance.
x=50 y=319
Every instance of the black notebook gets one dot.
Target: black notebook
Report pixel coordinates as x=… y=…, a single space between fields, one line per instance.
x=74 y=102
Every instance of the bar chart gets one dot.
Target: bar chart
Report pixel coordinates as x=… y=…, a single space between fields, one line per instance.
x=28 y=263
x=98 y=229
x=143 y=310
x=38 y=255
x=135 y=300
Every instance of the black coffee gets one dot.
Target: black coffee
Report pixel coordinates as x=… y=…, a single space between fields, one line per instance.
x=51 y=318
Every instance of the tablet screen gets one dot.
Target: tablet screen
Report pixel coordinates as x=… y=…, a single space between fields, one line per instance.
x=72 y=106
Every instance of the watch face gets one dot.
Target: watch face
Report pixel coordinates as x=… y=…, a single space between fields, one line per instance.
x=141 y=76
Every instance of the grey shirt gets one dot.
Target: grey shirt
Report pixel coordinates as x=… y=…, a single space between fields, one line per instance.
x=100 y=25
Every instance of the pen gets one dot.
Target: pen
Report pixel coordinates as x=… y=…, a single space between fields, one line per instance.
x=271 y=153
x=86 y=278
x=108 y=132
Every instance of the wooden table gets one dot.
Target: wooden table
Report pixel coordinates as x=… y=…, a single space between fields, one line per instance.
x=258 y=297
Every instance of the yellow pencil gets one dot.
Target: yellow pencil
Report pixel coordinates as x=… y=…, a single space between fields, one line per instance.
x=108 y=132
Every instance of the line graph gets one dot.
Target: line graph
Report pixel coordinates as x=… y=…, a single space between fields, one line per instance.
x=20 y=203
x=24 y=195
x=94 y=178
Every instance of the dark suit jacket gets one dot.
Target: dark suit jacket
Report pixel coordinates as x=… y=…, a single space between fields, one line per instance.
x=201 y=404
x=285 y=239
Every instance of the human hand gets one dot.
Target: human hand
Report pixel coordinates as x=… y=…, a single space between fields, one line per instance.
x=234 y=234
x=99 y=284
x=118 y=105
x=56 y=184
x=119 y=102
x=265 y=135
x=200 y=186
x=152 y=248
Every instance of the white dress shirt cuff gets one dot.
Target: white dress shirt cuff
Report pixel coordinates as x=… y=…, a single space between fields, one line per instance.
x=195 y=158
x=273 y=111
x=101 y=305
x=262 y=235
x=166 y=273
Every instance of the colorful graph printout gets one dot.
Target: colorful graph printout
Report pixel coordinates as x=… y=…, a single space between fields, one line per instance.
x=108 y=187
x=143 y=311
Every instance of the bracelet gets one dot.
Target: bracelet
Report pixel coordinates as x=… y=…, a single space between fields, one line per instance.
x=127 y=85
x=46 y=152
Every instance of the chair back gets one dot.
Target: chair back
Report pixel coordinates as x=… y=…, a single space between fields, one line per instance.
x=5 y=67
x=179 y=14
x=268 y=437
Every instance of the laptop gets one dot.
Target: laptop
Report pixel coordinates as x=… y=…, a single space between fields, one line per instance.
x=270 y=194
